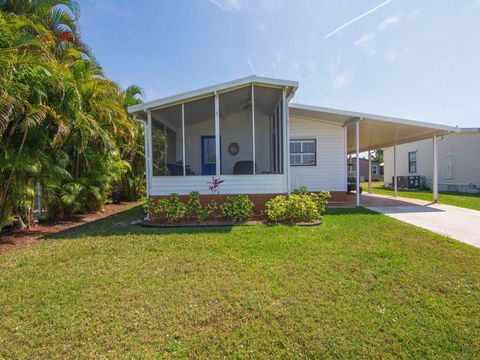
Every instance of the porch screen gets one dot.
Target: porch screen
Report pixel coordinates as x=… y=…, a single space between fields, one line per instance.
x=236 y=132
x=166 y=126
x=268 y=130
x=200 y=137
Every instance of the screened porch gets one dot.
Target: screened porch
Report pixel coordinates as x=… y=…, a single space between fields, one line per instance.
x=236 y=133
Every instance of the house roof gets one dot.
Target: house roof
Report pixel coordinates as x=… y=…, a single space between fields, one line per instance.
x=470 y=130
x=211 y=90
x=376 y=131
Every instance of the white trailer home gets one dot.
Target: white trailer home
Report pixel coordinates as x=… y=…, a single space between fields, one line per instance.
x=247 y=133
x=458 y=161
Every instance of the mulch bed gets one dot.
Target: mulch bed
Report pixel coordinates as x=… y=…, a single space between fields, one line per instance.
x=15 y=239
x=212 y=223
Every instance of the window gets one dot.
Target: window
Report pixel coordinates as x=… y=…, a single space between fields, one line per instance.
x=412 y=162
x=374 y=170
x=303 y=152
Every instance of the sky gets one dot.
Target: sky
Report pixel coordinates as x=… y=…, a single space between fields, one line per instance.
x=416 y=59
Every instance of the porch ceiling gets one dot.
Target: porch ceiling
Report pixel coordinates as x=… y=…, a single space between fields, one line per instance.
x=375 y=131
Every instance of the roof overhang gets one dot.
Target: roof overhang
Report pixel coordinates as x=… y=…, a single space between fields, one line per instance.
x=376 y=131
x=290 y=86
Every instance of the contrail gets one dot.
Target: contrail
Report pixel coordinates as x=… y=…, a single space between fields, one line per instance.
x=356 y=19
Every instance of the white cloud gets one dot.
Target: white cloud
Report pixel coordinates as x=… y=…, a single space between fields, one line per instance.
x=229 y=4
x=367 y=41
x=392 y=55
x=342 y=78
x=237 y=5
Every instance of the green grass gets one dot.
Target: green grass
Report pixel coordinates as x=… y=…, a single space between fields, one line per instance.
x=362 y=285
x=469 y=201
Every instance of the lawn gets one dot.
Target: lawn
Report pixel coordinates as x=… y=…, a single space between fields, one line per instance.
x=469 y=201
x=361 y=285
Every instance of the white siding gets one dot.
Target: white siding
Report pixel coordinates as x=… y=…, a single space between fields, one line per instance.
x=464 y=147
x=424 y=151
x=330 y=173
x=234 y=184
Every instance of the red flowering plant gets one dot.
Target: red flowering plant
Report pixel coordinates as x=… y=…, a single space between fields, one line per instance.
x=214 y=185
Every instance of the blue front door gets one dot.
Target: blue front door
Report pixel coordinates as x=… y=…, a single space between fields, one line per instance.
x=208 y=155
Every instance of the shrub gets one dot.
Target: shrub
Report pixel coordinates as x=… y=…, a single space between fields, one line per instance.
x=149 y=206
x=237 y=208
x=321 y=200
x=207 y=211
x=194 y=205
x=172 y=208
x=197 y=211
x=276 y=209
x=301 y=208
x=302 y=190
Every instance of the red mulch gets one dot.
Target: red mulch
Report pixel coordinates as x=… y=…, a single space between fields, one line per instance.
x=17 y=239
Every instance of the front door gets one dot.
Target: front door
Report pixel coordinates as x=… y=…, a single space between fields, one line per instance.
x=208 y=155
x=449 y=167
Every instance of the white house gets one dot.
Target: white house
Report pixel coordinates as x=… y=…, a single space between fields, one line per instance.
x=458 y=161
x=247 y=133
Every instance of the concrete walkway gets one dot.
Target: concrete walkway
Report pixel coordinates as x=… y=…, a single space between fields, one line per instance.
x=455 y=222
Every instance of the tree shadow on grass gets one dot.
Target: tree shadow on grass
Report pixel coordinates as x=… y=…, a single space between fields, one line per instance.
x=121 y=224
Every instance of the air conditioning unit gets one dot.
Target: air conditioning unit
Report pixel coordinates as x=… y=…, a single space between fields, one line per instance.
x=410 y=182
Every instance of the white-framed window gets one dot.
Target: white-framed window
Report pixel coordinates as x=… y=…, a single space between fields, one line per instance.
x=412 y=162
x=303 y=152
x=374 y=169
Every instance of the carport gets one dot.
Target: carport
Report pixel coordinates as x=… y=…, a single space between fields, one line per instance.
x=367 y=132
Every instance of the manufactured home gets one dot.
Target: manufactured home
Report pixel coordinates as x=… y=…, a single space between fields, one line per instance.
x=458 y=162
x=248 y=133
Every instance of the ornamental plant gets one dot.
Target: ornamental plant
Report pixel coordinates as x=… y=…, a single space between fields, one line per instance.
x=301 y=208
x=207 y=211
x=276 y=209
x=194 y=204
x=172 y=208
x=237 y=208
x=196 y=210
x=214 y=185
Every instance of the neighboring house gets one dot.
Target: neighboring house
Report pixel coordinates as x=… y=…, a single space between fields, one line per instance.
x=247 y=133
x=377 y=169
x=458 y=161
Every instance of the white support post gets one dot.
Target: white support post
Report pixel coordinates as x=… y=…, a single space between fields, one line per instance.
x=148 y=152
x=253 y=128
x=369 y=171
x=357 y=148
x=286 y=142
x=183 y=141
x=395 y=181
x=435 y=170
x=217 y=135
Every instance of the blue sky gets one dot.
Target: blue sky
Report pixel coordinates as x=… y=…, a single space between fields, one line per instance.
x=406 y=58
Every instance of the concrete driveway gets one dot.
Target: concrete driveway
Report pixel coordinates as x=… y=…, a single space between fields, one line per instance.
x=455 y=222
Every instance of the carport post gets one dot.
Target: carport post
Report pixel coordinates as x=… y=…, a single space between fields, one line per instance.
x=357 y=147
x=435 y=169
x=369 y=171
x=395 y=188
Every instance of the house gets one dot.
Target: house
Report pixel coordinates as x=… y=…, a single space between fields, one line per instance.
x=248 y=133
x=377 y=169
x=458 y=162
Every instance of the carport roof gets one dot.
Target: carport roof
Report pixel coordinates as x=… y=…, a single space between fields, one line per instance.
x=376 y=131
